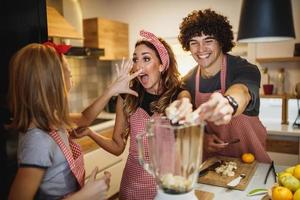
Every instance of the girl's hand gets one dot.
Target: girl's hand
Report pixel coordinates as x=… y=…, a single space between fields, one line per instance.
x=121 y=84
x=179 y=110
x=97 y=188
x=80 y=132
x=94 y=189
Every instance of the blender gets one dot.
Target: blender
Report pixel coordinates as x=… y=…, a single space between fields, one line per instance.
x=174 y=156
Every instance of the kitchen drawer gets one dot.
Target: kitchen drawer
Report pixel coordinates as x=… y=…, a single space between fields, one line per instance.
x=100 y=158
x=116 y=176
x=107 y=162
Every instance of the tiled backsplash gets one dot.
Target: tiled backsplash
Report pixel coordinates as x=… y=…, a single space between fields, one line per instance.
x=90 y=78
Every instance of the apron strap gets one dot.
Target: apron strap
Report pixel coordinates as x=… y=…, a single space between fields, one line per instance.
x=222 y=78
x=73 y=157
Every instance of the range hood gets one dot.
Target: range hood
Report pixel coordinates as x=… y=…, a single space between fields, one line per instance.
x=59 y=27
x=85 y=52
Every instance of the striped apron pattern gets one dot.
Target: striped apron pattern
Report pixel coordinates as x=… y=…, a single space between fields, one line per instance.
x=248 y=129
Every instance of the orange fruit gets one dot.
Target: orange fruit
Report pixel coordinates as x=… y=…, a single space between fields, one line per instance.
x=281 y=193
x=248 y=158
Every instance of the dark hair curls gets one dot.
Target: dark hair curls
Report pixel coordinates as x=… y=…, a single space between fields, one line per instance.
x=206 y=22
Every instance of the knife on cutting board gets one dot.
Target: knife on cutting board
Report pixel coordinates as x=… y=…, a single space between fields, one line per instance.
x=211 y=167
x=236 y=181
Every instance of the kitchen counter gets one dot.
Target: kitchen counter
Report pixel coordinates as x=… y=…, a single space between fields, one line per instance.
x=257 y=181
x=281 y=129
x=104 y=125
x=104 y=128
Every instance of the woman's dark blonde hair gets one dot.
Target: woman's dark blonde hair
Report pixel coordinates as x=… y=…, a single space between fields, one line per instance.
x=37 y=89
x=170 y=81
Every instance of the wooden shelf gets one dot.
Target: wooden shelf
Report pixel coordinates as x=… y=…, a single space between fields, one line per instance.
x=278 y=96
x=282 y=59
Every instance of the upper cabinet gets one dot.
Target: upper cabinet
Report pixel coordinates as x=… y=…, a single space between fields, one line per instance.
x=110 y=35
x=59 y=27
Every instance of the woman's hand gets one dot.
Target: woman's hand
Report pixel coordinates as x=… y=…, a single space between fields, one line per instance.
x=179 y=109
x=217 y=110
x=121 y=84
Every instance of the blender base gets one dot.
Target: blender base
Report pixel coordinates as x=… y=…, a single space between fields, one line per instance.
x=164 y=196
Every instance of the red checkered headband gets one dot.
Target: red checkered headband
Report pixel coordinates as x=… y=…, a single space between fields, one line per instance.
x=161 y=49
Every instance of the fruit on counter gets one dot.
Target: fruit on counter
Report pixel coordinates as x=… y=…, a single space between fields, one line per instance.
x=290 y=170
x=297 y=195
x=282 y=174
x=248 y=158
x=296 y=171
x=281 y=193
x=290 y=182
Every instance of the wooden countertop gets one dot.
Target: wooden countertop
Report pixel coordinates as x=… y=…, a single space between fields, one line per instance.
x=88 y=145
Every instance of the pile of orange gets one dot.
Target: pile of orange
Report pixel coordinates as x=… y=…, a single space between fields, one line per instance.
x=248 y=158
x=281 y=193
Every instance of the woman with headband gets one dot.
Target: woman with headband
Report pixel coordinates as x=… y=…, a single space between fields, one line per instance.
x=157 y=86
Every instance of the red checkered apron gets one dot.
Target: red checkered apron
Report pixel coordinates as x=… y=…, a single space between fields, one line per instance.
x=137 y=184
x=73 y=156
x=248 y=129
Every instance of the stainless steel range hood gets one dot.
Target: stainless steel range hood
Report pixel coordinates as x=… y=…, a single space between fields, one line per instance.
x=59 y=27
x=85 y=52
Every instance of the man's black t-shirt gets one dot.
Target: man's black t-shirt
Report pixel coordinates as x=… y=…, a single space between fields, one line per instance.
x=239 y=70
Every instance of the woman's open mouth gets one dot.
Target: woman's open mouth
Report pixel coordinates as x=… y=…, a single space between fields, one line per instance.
x=143 y=78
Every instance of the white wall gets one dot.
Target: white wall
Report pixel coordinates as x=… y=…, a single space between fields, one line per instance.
x=159 y=16
x=163 y=17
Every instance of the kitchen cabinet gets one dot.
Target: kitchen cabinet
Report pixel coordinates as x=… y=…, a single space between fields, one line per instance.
x=59 y=27
x=283 y=143
x=110 y=35
x=94 y=156
x=288 y=64
x=106 y=162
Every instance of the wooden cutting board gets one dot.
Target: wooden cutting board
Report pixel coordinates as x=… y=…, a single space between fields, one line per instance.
x=202 y=195
x=212 y=178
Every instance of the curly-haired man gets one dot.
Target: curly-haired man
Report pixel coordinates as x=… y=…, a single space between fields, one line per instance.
x=224 y=88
